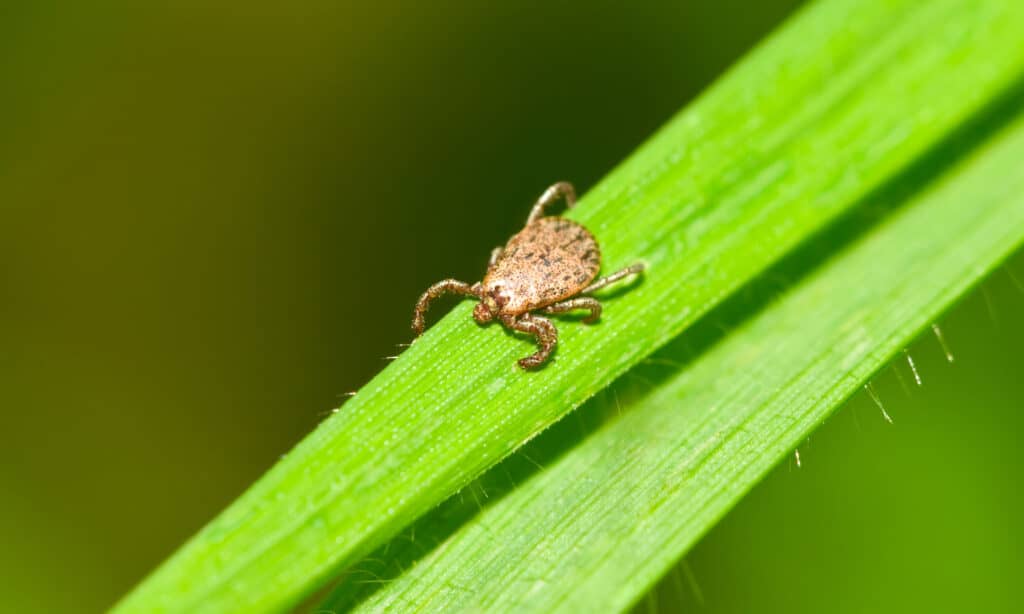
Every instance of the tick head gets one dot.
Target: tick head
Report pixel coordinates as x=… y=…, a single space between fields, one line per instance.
x=482 y=313
x=490 y=305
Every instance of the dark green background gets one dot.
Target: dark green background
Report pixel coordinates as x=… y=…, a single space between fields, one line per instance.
x=216 y=218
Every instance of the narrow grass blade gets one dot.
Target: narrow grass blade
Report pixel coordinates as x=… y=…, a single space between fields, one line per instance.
x=598 y=527
x=841 y=101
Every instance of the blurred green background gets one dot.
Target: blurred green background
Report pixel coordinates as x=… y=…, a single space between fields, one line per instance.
x=216 y=218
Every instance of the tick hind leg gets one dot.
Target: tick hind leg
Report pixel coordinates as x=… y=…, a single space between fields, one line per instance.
x=582 y=302
x=545 y=333
x=632 y=269
x=452 y=286
x=562 y=189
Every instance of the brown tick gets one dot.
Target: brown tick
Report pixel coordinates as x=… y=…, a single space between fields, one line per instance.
x=550 y=261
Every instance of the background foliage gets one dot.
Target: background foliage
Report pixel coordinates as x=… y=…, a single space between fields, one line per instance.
x=216 y=218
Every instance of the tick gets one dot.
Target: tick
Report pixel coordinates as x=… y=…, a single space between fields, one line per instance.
x=549 y=267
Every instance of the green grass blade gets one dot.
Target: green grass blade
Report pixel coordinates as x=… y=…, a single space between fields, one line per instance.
x=594 y=530
x=841 y=101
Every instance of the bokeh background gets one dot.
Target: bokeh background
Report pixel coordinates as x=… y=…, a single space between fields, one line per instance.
x=215 y=218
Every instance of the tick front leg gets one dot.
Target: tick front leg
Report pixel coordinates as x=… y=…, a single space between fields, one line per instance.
x=562 y=189
x=495 y=254
x=582 y=302
x=632 y=269
x=545 y=333
x=446 y=286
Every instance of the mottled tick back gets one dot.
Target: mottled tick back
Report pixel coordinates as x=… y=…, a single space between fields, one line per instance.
x=550 y=260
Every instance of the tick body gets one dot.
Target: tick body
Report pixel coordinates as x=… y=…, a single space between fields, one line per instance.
x=550 y=267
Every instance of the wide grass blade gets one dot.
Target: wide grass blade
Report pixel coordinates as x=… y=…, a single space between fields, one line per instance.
x=841 y=101
x=596 y=528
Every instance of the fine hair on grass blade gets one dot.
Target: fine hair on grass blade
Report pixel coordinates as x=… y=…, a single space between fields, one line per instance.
x=843 y=99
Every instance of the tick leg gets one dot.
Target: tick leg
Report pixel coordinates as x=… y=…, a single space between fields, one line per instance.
x=495 y=254
x=562 y=189
x=543 y=330
x=442 y=287
x=632 y=269
x=582 y=302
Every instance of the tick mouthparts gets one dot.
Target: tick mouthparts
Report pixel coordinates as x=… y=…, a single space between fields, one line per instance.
x=482 y=314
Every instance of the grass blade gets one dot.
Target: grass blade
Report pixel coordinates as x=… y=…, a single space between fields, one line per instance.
x=596 y=529
x=838 y=103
